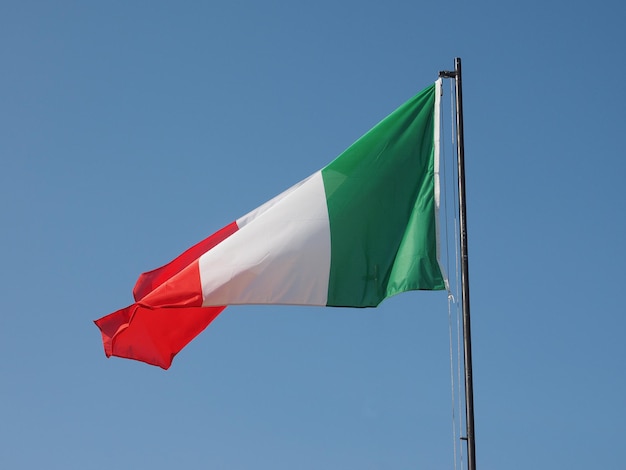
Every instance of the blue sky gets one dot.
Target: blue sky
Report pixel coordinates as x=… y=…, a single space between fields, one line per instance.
x=131 y=130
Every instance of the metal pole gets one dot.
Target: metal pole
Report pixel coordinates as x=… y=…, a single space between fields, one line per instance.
x=465 y=295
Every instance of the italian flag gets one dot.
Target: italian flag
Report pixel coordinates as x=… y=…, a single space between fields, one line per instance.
x=360 y=230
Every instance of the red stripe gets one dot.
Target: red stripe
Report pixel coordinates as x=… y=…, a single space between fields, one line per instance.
x=150 y=280
x=168 y=313
x=153 y=335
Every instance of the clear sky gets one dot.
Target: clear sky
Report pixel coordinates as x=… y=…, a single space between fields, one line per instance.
x=132 y=129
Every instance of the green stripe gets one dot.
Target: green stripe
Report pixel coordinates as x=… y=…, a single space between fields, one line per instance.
x=380 y=195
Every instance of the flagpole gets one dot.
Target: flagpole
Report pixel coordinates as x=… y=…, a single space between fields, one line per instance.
x=465 y=296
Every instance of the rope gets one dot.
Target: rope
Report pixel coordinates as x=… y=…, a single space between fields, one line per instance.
x=452 y=385
x=455 y=440
x=453 y=236
x=457 y=262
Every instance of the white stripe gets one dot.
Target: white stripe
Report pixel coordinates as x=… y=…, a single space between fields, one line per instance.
x=279 y=255
x=253 y=214
x=437 y=147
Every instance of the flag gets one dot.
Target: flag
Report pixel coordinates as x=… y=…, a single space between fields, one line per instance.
x=360 y=230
